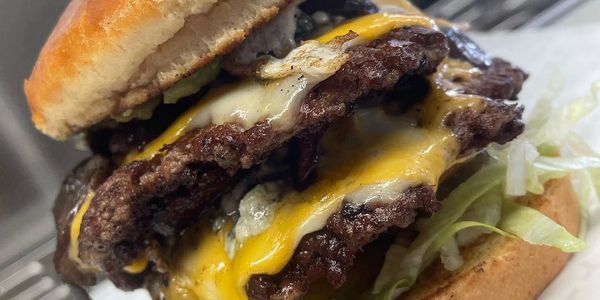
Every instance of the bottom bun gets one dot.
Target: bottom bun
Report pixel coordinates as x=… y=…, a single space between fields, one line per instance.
x=497 y=267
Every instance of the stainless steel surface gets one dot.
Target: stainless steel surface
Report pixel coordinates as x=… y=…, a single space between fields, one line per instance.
x=501 y=15
x=32 y=166
x=33 y=277
x=553 y=13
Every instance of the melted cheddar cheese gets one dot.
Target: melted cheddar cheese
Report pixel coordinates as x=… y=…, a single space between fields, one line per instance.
x=75 y=230
x=373 y=26
x=138 y=266
x=369 y=149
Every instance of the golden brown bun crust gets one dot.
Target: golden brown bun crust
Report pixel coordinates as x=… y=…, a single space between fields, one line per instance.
x=107 y=56
x=502 y=268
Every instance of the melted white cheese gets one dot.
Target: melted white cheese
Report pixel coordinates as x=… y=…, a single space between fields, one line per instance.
x=252 y=101
x=384 y=192
x=256 y=210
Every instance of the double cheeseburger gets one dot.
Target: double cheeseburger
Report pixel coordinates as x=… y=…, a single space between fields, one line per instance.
x=273 y=149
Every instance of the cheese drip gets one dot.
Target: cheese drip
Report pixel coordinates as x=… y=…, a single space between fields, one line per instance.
x=75 y=230
x=370 y=149
x=138 y=266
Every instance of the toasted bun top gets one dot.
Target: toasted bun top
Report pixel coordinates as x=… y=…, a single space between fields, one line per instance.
x=497 y=267
x=105 y=57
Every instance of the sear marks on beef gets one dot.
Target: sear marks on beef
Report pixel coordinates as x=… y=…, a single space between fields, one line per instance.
x=497 y=122
x=182 y=207
x=126 y=211
x=500 y=81
x=329 y=253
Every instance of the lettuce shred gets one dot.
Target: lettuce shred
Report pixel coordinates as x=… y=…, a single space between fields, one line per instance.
x=142 y=112
x=186 y=87
x=194 y=83
x=485 y=203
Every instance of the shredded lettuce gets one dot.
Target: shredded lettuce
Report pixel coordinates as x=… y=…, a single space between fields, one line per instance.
x=535 y=228
x=594 y=175
x=533 y=158
x=450 y=255
x=186 y=87
x=399 y=273
x=589 y=178
x=585 y=188
x=194 y=83
x=485 y=202
x=142 y=112
x=551 y=125
x=485 y=210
